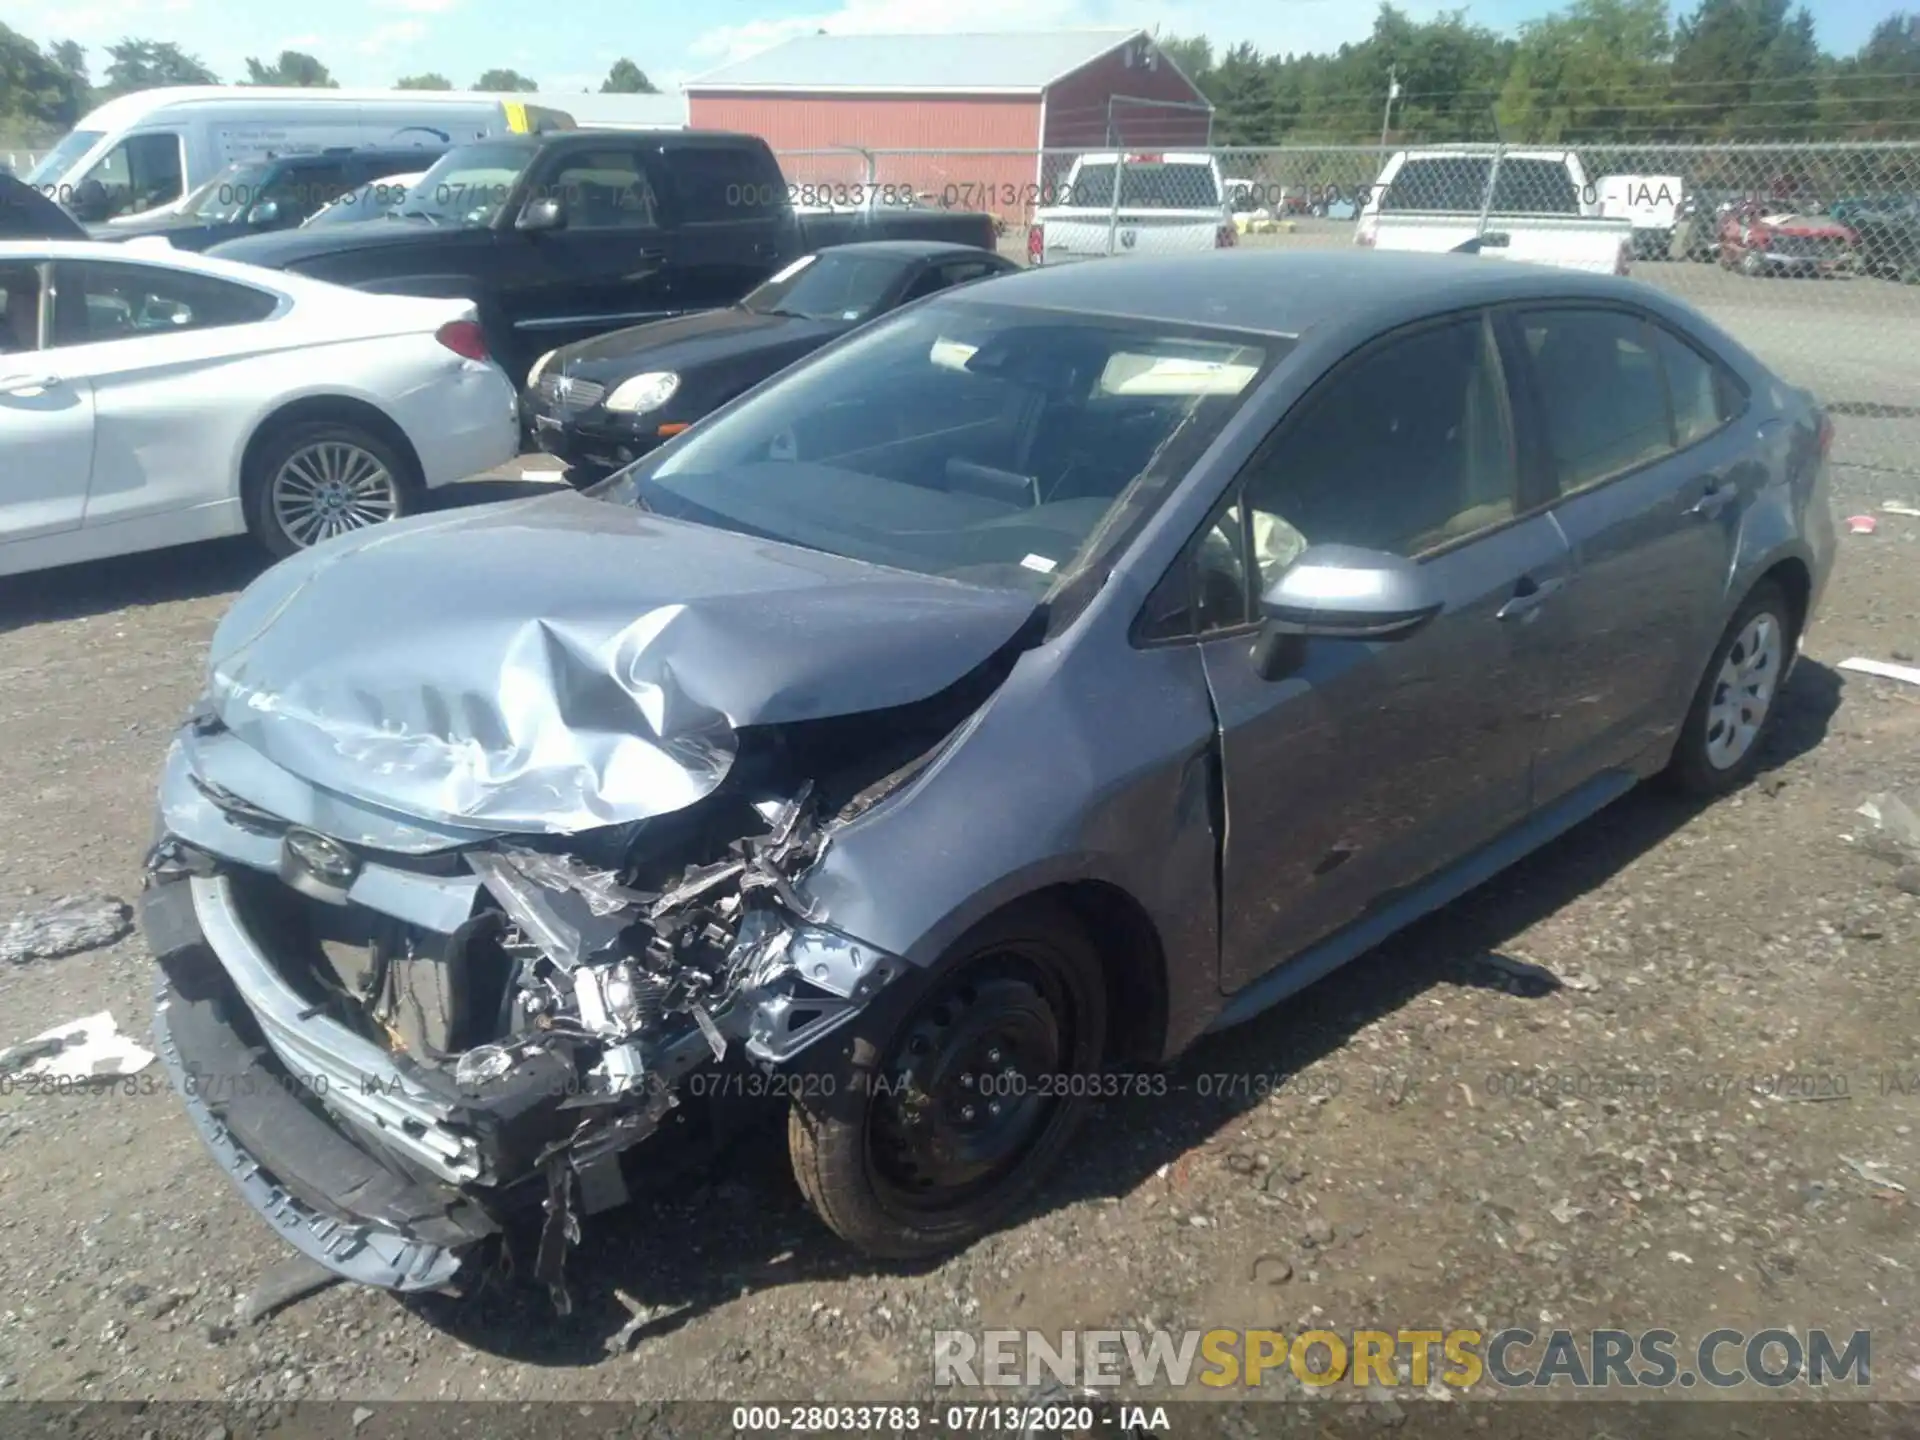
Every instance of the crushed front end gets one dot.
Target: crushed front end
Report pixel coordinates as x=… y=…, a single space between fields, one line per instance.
x=420 y=1050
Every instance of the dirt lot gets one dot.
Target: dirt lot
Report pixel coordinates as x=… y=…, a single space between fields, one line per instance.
x=1686 y=1134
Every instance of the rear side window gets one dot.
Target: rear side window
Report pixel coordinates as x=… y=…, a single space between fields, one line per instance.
x=711 y=183
x=1148 y=185
x=1602 y=397
x=1705 y=397
x=1457 y=184
x=19 y=308
x=97 y=300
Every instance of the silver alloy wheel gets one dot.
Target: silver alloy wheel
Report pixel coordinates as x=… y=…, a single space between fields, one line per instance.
x=1743 y=691
x=329 y=488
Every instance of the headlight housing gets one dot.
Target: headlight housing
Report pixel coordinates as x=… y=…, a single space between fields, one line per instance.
x=539 y=368
x=643 y=392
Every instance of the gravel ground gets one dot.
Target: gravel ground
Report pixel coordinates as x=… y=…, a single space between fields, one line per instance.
x=1659 y=1140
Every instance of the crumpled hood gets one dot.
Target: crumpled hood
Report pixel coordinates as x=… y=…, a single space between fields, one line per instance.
x=562 y=663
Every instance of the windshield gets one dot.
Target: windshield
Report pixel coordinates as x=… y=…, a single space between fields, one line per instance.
x=466 y=186
x=1148 y=186
x=828 y=287
x=369 y=202
x=978 y=442
x=54 y=165
x=228 y=195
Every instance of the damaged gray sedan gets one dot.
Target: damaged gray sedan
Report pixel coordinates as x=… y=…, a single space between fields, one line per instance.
x=1022 y=686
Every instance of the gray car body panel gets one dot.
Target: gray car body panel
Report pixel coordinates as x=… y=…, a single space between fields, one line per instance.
x=1090 y=765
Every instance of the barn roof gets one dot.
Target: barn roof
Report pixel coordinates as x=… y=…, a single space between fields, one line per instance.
x=1002 y=62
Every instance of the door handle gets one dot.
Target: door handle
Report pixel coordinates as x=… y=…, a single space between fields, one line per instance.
x=1528 y=596
x=652 y=255
x=14 y=384
x=1716 y=499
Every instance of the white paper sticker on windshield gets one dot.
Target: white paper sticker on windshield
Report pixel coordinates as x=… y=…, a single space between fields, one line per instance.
x=1041 y=563
x=952 y=354
x=792 y=270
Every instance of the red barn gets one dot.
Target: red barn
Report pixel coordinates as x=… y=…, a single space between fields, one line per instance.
x=916 y=100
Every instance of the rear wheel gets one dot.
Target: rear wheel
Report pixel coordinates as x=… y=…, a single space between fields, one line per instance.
x=1720 y=742
x=313 y=480
x=948 y=1106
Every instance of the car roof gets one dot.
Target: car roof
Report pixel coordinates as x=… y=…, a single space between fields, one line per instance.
x=1279 y=292
x=909 y=250
x=169 y=258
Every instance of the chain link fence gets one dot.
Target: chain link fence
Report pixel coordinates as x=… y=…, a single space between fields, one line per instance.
x=1807 y=253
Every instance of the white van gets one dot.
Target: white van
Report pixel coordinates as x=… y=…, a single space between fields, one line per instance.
x=144 y=152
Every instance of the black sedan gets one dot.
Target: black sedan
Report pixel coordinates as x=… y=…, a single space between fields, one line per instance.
x=604 y=402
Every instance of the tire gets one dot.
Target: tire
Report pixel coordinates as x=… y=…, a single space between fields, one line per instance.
x=343 y=460
x=1720 y=742
x=866 y=1141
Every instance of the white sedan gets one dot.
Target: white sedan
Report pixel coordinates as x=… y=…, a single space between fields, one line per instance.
x=155 y=398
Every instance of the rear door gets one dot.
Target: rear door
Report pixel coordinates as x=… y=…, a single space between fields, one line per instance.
x=1648 y=481
x=1375 y=764
x=612 y=262
x=727 y=204
x=46 y=418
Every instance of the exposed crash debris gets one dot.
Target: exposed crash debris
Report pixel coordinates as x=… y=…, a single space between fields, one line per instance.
x=67 y=926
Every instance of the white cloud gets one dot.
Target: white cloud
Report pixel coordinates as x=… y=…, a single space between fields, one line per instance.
x=1297 y=25
x=393 y=36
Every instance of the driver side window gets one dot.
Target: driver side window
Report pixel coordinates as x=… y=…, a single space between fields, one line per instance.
x=139 y=173
x=1406 y=447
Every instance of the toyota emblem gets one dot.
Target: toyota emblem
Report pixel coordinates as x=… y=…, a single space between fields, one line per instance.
x=563 y=387
x=1127 y=237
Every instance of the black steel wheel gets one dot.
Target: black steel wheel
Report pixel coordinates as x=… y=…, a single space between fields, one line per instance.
x=948 y=1105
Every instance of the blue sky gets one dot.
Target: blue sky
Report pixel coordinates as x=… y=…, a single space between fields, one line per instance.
x=569 y=46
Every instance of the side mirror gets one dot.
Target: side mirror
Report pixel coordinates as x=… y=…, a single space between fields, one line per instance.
x=264 y=214
x=1341 y=592
x=544 y=213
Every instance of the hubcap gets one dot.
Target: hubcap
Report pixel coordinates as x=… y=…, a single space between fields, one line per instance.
x=330 y=488
x=1743 y=691
x=966 y=1089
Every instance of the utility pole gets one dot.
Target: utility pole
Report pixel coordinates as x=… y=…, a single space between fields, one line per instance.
x=1393 y=94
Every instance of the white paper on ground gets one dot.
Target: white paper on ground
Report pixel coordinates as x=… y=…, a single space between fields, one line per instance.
x=1908 y=673
x=94 y=1046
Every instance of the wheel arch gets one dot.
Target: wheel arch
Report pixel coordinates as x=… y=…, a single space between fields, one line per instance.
x=340 y=409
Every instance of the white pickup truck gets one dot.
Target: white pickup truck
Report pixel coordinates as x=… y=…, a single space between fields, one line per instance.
x=1168 y=204
x=1542 y=208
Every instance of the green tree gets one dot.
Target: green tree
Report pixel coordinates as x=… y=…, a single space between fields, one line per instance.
x=293 y=68
x=36 y=90
x=510 y=80
x=1595 y=70
x=1193 y=54
x=1876 y=92
x=145 y=64
x=627 y=78
x=428 y=81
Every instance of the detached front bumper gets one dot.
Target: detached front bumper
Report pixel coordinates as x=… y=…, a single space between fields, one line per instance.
x=338 y=1202
x=387 y=1161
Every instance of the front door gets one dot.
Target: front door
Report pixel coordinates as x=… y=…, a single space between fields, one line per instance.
x=607 y=266
x=1375 y=763
x=46 y=419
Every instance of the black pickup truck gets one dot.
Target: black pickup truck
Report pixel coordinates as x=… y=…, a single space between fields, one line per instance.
x=560 y=237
